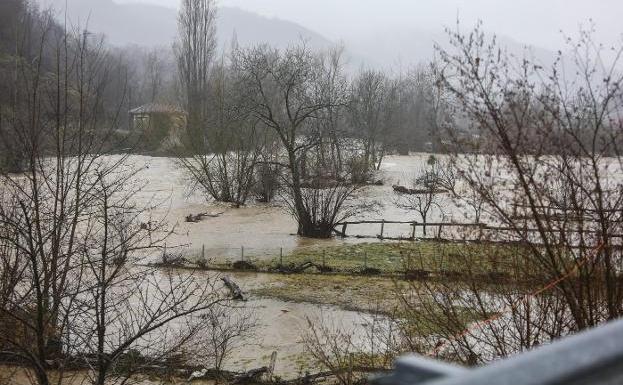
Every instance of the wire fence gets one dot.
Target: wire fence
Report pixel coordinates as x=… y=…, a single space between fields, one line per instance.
x=415 y=260
x=454 y=250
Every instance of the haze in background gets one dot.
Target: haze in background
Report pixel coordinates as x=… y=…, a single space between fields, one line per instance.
x=535 y=22
x=388 y=34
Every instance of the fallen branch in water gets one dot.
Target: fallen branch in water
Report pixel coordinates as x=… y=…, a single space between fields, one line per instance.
x=410 y=191
x=234 y=289
x=201 y=216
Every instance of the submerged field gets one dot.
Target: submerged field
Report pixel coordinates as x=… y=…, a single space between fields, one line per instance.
x=350 y=281
x=353 y=284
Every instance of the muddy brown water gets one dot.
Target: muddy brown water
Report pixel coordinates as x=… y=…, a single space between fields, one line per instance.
x=262 y=230
x=280 y=327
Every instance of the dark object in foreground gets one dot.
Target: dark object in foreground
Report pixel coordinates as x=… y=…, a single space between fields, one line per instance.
x=194 y=218
x=410 y=191
x=234 y=289
x=292 y=269
x=590 y=357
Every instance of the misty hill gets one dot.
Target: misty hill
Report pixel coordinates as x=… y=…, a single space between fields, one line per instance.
x=401 y=47
x=151 y=25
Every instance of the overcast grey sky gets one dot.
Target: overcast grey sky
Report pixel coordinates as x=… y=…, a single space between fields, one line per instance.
x=531 y=21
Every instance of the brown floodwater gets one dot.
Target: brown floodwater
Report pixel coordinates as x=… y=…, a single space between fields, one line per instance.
x=263 y=230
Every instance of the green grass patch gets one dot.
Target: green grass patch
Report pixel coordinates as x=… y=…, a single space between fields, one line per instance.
x=381 y=295
x=399 y=257
x=357 y=293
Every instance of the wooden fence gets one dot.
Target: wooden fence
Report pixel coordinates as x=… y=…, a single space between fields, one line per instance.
x=523 y=233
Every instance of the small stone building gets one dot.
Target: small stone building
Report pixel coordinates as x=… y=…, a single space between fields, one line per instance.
x=159 y=124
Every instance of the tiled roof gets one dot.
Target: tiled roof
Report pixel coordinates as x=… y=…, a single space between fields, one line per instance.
x=157 y=108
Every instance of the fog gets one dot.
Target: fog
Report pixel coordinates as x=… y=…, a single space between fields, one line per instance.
x=389 y=35
x=529 y=21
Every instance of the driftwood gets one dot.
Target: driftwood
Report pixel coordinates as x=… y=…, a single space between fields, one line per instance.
x=194 y=218
x=251 y=375
x=234 y=289
x=410 y=191
x=244 y=265
x=304 y=266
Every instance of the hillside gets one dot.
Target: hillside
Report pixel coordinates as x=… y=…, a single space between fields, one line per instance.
x=148 y=25
x=151 y=25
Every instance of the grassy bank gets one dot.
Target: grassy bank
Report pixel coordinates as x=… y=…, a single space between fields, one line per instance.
x=359 y=293
x=491 y=262
x=397 y=257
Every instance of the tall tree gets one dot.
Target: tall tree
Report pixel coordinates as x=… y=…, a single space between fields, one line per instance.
x=195 y=51
x=370 y=113
x=288 y=91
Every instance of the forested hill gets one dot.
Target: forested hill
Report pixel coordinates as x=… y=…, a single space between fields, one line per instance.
x=148 y=25
x=151 y=25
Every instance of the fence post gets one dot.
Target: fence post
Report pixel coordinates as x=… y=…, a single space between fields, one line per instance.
x=413 y=231
x=281 y=257
x=382 y=227
x=324 y=260
x=344 y=229
x=203 y=252
x=271 y=366
x=242 y=253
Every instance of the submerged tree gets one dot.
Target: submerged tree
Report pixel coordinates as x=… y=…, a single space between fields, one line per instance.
x=291 y=92
x=424 y=193
x=225 y=166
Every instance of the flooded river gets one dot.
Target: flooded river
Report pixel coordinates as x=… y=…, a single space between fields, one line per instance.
x=263 y=229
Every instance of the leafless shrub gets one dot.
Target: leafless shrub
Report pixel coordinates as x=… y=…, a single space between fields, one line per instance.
x=224 y=329
x=540 y=163
x=426 y=186
x=350 y=356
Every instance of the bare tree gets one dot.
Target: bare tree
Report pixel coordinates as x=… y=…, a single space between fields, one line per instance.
x=287 y=92
x=540 y=158
x=224 y=328
x=195 y=52
x=332 y=120
x=153 y=76
x=131 y=317
x=70 y=227
x=56 y=115
x=423 y=194
x=368 y=107
x=225 y=167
